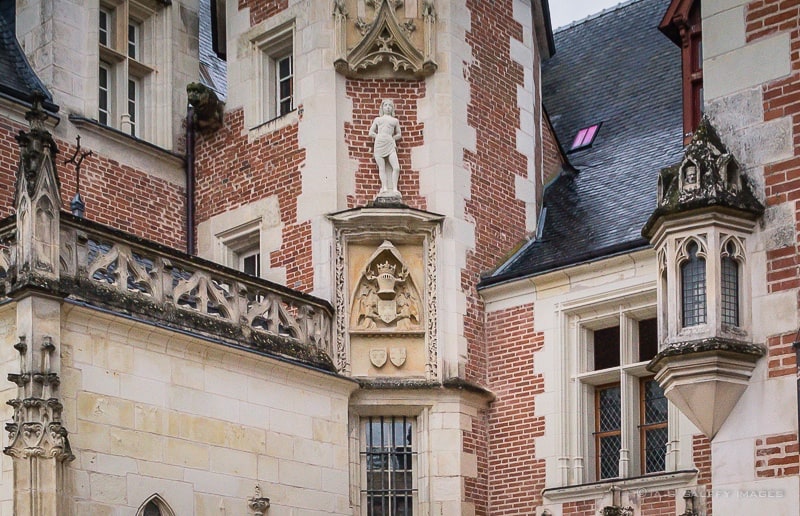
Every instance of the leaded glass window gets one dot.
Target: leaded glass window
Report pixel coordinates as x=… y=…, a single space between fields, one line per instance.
x=151 y=509
x=608 y=430
x=730 y=287
x=388 y=457
x=653 y=428
x=693 y=287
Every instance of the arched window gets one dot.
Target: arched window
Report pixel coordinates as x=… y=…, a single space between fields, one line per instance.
x=155 y=506
x=730 y=286
x=693 y=287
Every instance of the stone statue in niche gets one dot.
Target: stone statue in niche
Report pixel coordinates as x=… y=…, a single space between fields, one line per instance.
x=385 y=130
x=386 y=297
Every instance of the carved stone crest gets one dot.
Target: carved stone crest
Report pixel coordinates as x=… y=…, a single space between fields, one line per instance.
x=377 y=356
x=381 y=38
x=386 y=297
x=397 y=356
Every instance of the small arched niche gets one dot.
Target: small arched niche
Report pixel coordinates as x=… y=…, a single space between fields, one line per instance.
x=155 y=505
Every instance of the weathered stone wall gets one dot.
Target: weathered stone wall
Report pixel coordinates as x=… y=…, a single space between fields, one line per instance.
x=9 y=363
x=201 y=424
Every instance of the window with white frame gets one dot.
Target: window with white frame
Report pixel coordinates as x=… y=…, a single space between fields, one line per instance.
x=125 y=64
x=388 y=462
x=626 y=411
x=242 y=247
x=277 y=78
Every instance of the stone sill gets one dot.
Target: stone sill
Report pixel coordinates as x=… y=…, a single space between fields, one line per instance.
x=646 y=483
x=126 y=139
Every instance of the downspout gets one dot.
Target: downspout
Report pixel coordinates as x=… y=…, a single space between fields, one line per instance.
x=190 y=180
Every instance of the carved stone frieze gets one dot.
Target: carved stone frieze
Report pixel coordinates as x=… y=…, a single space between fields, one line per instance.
x=381 y=38
x=385 y=286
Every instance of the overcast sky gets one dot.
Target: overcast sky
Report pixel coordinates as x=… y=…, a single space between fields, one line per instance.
x=562 y=12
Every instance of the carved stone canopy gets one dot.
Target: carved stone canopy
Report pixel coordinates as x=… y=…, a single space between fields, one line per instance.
x=707 y=176
x=384 y=38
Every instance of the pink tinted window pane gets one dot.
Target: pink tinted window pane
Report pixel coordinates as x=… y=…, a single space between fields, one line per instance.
x=590 y=132
x=578 y=142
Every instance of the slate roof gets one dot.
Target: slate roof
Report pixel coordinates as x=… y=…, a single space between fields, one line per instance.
x=17 y=79
x=617 y=69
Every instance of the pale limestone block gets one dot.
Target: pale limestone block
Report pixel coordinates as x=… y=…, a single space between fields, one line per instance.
x=151 y=419
x=159 y=470
x=80 y=485
x=298 y=474
x=143 y=390
x=147 y=364
x=446 y=488
x=280 y=446
x=203 y=404
x=735 y=460
x=779 y=232
x=447 y=464
x=101 y=381
x=774 y=313
x=289 y=423
x=446 y=440
x=108 y=464
x=723 y=32
x=341 y=456
x=105 y=409
x=232 y=462
x=107 y=488
x=778 y=498
x=335 y=481
x=95 y=509
x=312 y=452
x=253 y=415
x=766 y=143
x=119 y=357
x=328 y=432
x=179 y=495
x=762 y=405
x=711 y=7
x=186 y=453
x=268 y=468
x=469 y=465
x=213 y=505
x=768 y=59
x=117 y=441
x=223 y=382
x=218 y=484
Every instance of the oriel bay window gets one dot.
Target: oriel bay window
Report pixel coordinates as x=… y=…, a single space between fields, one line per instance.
x=627 y=408
x=388 y=461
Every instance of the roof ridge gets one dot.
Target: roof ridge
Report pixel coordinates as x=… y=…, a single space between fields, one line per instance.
x=591 y=17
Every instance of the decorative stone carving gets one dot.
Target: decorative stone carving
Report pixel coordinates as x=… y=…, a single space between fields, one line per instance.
x=380 y=38
x=385 y=130
x=397 y=315
x=386 y=298
x=258 y=504
x=38 y=200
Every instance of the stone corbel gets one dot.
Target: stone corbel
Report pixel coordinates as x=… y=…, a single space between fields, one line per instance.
x=258 y=504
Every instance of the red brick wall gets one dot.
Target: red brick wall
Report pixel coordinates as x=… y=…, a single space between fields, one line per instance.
x=232 y=172
x=777 y=456
x=517 y=475
x=658 y=503
x=260 y=10
x=584 y=508
x=366 y=96
x=781 y=355
x=782 y=180
x=117 y=195
x=701 y=453
x=498 y=217
x=475 y=443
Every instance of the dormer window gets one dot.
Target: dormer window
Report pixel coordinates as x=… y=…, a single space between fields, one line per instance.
x=584 y=138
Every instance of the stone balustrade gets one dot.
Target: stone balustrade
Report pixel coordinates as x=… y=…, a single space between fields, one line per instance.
x=112 y=270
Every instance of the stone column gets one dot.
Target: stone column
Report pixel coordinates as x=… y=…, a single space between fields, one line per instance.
x=37 y=440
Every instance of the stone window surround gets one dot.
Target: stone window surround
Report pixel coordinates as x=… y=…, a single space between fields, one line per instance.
x=583 y=316
x=163 y=508
x=420 y=415
x=147 y=16
x=270 y=43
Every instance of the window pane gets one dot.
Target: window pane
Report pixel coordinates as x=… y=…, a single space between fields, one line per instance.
x=693 y=283
x=606 y=348
x=610 y=415
x=655 y=449
x=133 y=98
x=648 y=339
x=103 y=33
x=133 y=41
x=609 y=456
x=103 y=105
x=654 y=433
x=730 y=289
x=388 y=458
x=151 y=509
